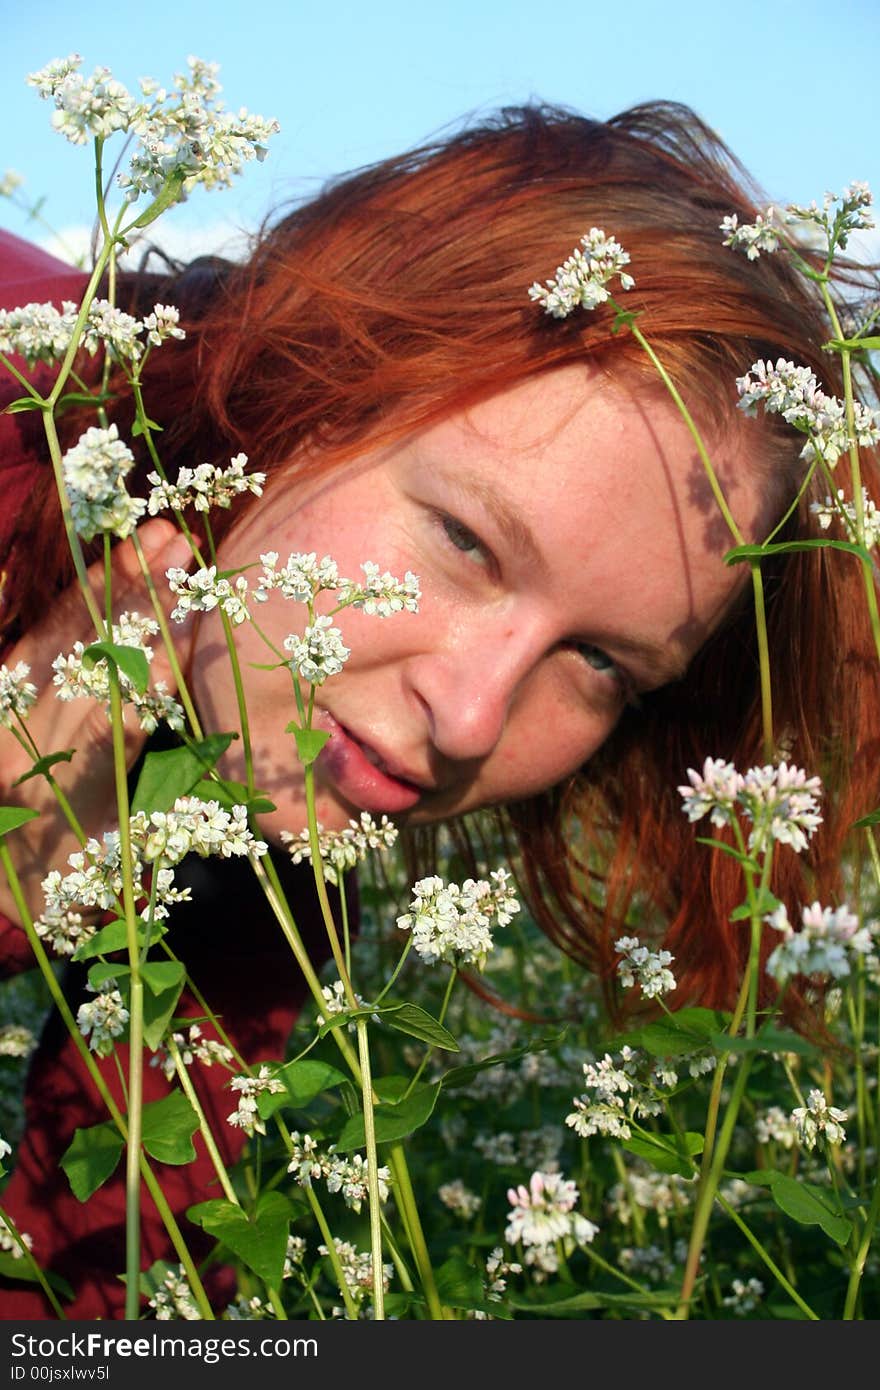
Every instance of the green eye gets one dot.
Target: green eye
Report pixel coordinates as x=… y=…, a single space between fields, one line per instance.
x=460 y=536
x=595 y=657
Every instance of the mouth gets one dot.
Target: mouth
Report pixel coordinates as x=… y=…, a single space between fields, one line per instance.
x=361 y=774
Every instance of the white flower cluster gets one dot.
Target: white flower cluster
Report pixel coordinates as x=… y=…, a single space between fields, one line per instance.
x=827 y=943
x=8 y=1241
x=649 y=969
x=246 y=1309
x=818 y=1117
x=342 y=849
x=75 y=681
x=839 y=216
x=301 y=578
x=204 y=591
x=10 y=180
x=793 y=392
x=452 y=924
x=94 y=471
x=582 y=280
x=744 y=1296
x=752 y=237
x=102 y=1020
x=43 y=333
x=347 y=1174
x=335 y=1003
x=845 y=512
x=17 y=693
x=193 y=826
x=664 y=1194
x=459 y=1198
x=381 y=594
x=319 y=653
x=174 y=1299
x=781 y=801
x=192 y=1046
x=63 y=929
x=185 y=137
x=246 y=1116
x=5 y=1149
x=774 y=1126
x=203 y=487
x=357 y=1268
x=542 y=1219
x=16 y=1040
x=615 y=1094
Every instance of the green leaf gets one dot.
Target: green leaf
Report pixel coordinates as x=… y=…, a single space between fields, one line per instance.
x=393 y=1122
x=666 y=1151
x=167 y=775
x=259 y=1241
x=555 y=1302
x=91 y=1158
x=43 y=764
x=159 y=975
x=309 y=742
x=674 y=1035
x=344 y=1017
x=872 y=818
x=22 y=1269
x=21 y=404
x=170 y=193
x=767 y=1039
x=114 y=937
x=141 y=426
x=803 y=1202
x=168 y=1127
x=731 y=850
x=417 y=1023
x=131 y=661
x=11 y=817
x=459 y=1283
x=852 y=344
x=755 y=552
x=158 y=1010
x=765 y=903
x=461 y=1076
x=303 y=1081
x=109 y=970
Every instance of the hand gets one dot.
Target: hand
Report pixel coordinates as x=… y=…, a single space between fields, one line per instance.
x=82 y=724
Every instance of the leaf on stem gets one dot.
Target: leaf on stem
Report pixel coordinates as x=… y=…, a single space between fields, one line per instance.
x=91 y=1158
x=11 y=817
x=803 y=1202
x=168 y=1126
x=393 y=1122
x=131 y=661
x=259 y=1241
x=175 y=772
x=43 y=764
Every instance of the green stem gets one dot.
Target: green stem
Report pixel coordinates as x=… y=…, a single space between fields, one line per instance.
x=28 y=1257
x=375 y=1203
x=406 y=1204
x=769 y=1262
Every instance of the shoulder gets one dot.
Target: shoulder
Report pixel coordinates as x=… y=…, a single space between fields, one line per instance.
x=29 y=274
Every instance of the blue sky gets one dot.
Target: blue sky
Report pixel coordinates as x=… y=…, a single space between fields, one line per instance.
x=351 y=82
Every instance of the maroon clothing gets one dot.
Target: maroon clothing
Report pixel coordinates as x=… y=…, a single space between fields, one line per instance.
x=233 y=950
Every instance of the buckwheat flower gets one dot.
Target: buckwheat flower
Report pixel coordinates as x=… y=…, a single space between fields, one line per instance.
x=301 y=578
x=246 y=1309
x=307 y=1163
x=94 y=470
x=162 y=323
x=204 y=487
x=17 y=694
x=381 y=594
x=194 y=826
x=840 y=214
x=9 y=1241
x=319 y=653
x=614 y=1093
x=103 y=1019
x=293 y=1260
x=459 y=1198
x=543 y=1213
x=342 y=849
x=828 y=942
x=357 y=1268
x=348 y=1174
x=10 y=180
x=452 y=923
x=649 y=969
x=74 y=680
x=192 y=1047
x=744 y=1296
x=650 y=1262
x=246 y=1116
x=752 y=237
x=120 y=333
x=664 y=1194
x=713 y=792
x=793 y=392
x=818 y=1117
x=203 y=591
x=782 y=802
x=38 y=332
x=497 y=1271
x=63 y=929
x=844 y=513
x=174 y=1299
x=16 y=1040
x=5 y=1149
x=774 y=1126
x=86 y=107
x=582 y=280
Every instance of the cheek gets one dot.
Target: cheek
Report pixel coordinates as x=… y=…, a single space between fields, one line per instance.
x=543 y=747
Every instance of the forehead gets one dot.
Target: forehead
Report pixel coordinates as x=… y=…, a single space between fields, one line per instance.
x=609 y=482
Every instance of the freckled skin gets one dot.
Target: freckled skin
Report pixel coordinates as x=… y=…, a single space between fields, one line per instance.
x=490 y=692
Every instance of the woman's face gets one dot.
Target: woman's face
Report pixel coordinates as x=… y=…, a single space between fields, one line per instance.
x=569 y=553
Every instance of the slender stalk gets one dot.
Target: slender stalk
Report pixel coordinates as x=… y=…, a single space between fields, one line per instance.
x=7 y=1224
x=375 y=1202
x=769 y=1262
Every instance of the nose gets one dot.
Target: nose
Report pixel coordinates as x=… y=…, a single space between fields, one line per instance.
x=469 y=685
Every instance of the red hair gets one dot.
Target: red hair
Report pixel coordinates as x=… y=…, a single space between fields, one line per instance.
x=399 y=295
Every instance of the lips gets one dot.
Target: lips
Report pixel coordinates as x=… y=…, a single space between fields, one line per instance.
x=360 y=774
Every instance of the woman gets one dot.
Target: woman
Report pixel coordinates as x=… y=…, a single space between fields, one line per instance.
x=580 y=642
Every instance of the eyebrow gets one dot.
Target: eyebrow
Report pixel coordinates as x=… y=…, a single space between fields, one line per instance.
x=516 y=531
